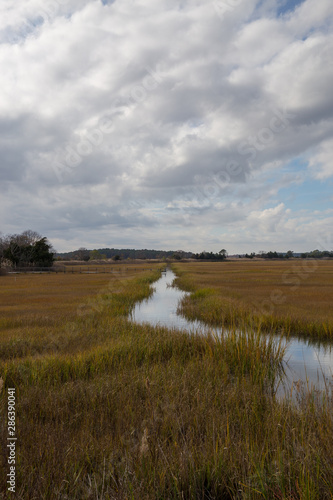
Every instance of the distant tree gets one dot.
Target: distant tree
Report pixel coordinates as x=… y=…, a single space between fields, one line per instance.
x=83 y=254
x=29 y=237
x=211 y=256
x=2 y=249
x=18 y=254
x=28 y=248
x=272 y=255
x=116 y=257
x=223 y=253
x=289 y=254
x=41 y=254
x=96 y=255
x=176 y=256
x=315 y=254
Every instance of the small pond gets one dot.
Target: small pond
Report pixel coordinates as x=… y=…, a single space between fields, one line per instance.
x=306 y=362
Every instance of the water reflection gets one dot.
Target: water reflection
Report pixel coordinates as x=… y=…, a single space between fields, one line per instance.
x=309 y=363
x=305 y=361
x=161 y=308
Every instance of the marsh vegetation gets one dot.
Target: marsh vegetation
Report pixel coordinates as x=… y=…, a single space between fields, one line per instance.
x=110 y=409
x=292 y=297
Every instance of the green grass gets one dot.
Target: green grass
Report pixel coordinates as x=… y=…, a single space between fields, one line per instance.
x=108 y=409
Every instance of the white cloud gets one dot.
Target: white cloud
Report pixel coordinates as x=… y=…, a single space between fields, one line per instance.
x=321 y=163
x=310 y=16
x=195 y=98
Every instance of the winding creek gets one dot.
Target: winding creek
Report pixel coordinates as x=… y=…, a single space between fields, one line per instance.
x=305 y=362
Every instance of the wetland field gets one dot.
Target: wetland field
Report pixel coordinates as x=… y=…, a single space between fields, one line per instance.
x=110 y=409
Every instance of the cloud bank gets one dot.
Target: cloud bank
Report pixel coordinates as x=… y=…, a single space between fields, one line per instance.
x=176 y=124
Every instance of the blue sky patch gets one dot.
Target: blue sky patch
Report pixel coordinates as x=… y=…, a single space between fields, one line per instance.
x=286 y=6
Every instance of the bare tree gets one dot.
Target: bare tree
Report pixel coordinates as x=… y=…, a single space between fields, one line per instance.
x=83 y=254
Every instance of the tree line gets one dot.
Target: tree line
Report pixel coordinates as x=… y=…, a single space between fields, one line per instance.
x=221 y=255
x=121 y=254
x=26 y=249
x=31 y=249
x=314 y=254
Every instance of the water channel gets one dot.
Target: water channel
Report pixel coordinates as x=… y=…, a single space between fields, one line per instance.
x=305 y=362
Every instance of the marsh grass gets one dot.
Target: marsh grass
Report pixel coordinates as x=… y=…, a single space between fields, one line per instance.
x=277 y=296
x=109 y=409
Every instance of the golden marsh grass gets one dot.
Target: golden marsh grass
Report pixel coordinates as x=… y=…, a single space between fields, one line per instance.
x=291 y=296
x=108 y=409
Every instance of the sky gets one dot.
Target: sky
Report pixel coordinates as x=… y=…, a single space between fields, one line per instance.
x=177 y=124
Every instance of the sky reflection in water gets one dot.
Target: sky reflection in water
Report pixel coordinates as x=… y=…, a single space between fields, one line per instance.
x=304 y=362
